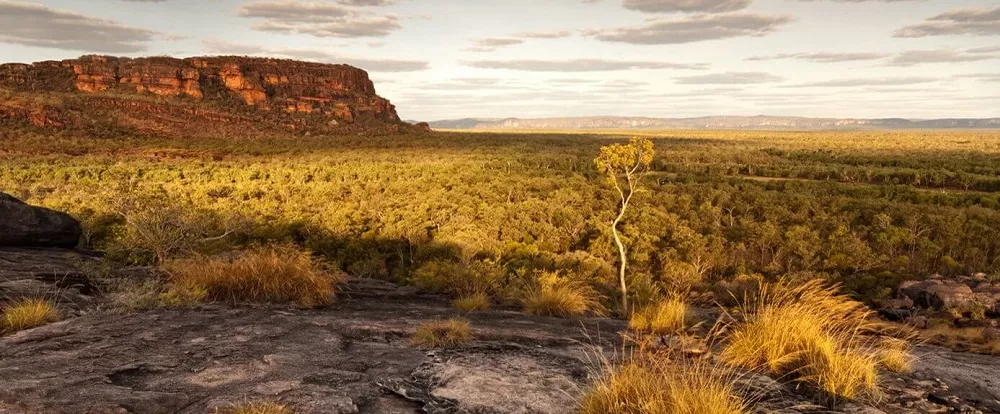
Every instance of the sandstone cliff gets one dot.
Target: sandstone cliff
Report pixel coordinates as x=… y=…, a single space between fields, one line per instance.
x=331 y=95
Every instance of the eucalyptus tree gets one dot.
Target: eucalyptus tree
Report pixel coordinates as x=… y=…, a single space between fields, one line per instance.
x=624 y=166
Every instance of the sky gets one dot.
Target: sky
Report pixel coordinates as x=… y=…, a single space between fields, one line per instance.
x=447 y=59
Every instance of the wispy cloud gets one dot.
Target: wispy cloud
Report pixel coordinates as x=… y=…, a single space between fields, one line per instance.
x=320 y=19
x=982 y=22
x=853 y=82
x=730 y=78
x=369 y=64
x=579 y=65
x=693 y=29
x=690 y=6
x=919 y=57
x=36 y=25
x=824 y=57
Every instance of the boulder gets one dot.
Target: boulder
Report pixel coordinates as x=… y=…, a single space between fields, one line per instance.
x=423 y=127
x=938 y=293
x=22 y=225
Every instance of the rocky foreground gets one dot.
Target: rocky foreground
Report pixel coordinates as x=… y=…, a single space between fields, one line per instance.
x=355 y=357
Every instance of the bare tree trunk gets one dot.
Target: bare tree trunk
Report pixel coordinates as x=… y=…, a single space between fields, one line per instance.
x=621 y=266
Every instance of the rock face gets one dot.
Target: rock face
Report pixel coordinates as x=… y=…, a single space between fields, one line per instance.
x=962 y=293
x=22 y=225
x=354 y=357
x=57 y=274
x=340 y=92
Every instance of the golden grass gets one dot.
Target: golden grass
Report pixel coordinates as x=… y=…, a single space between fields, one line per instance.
x=473 y=302
x=450 y=333
x=255 y=407
x=963 y=339
x=895 y=355
x=667 y=316
x=808 y=332
x=267 y=274
x=842 y=372
x=556 y=295
x=27 y=314
x=654 y=386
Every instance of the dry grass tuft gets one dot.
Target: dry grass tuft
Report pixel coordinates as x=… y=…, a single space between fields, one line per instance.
x=255 y=407
x=473 y=302
x=449 y=333
x=27 y=314
x=655 y=386
x=895 y=355
x=963 y=339
x=665 y=317
x=556 y=295
x=267 y=274
x=808 y=332
x=842 y=372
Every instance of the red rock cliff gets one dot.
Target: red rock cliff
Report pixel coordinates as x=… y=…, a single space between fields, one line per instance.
x=341 y=92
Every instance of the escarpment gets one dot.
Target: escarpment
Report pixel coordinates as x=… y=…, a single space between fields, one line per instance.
x=280 y=92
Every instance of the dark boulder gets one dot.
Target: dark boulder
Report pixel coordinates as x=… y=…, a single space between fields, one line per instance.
x=938 y=293
x=22 y=225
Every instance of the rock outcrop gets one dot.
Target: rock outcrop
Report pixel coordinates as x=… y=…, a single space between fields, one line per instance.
x=961 y=293
x=339 y=92
x=22 y=225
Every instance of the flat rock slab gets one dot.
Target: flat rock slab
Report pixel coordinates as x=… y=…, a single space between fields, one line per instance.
x=352 y=358
x=355 y=357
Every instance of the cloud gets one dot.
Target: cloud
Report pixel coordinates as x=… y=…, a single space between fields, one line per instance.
x=369 y=64
x=865 y=1
x=39 y=26
x=994 y=49
x=693 y=29
x=729 y=78
x=578 y=65
x=320 y=19
x=364 y=3
x=982 y=22
x=852 y=82
x=699 y=6
x=985 y=77
x=918 y=57
x=822 y=57
x=493 y=43
x=544 y=35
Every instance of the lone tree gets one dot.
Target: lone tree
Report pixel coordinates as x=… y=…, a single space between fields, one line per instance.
x=624 y=166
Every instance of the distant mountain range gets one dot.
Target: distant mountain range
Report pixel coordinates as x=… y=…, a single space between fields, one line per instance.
x=714 y=122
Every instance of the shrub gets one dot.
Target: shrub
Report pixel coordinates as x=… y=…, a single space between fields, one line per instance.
x=448 y=333
x=458 y=278
x=666 y=317
x=977 y=310
x=134 y=295
x=473 y=302
x=657 y=387
x=266 y=274
x=255 y=407
x=27 y=314
x=157 y=227
x=556 y=295
x=810 y=332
